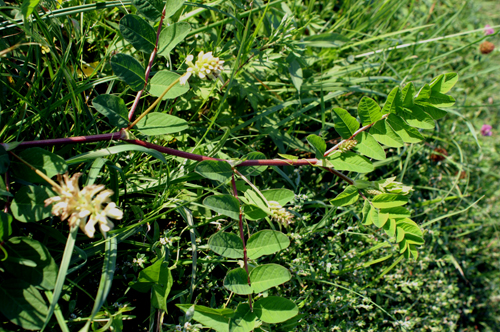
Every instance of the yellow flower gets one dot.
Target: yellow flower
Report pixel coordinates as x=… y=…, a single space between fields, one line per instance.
x=206 y=66
x=45 y=49
x=80 y=205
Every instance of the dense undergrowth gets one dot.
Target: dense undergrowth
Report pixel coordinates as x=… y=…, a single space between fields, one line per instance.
x=288 y=65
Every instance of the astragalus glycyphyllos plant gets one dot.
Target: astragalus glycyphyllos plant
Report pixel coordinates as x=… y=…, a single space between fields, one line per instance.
x=252 y=216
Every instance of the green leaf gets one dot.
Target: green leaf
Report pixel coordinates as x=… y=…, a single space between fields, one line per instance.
x=162 y=80
x=400 y=236
x=349 y=196
x=438 y=99
x=410 y=227
x=215 y=170
x=244 y=320
x=253 y=212
x=29 y=203
x=392 y=102
x=158 y=279
x=266 y=242
x=226 y=244
x=47 y=162
x=384 y=201
x=150 y=275
x=5 y=226
x=390 y=228
x=274 y=309
x=160 y=291
x=4 y=160
x=256 y=199
x=318 y=145
x=138 y=32
x=150 y=9
x=161 y=124
x=402 y=129
x=367 y=207
x=368 y=111
x=296 y=74
x=236 y=281
x=396 y=212
x=345 y=124
x=379 y=219
x=112 y=107
x=444 y=83
x=416 y=117
x=349 y=161
x=407 y=95
x=217 y=319
x=282 y=196
x=43 y=275
x=171 y=36
x=226 y=205
x=128 y=70
x=434 y=112
x=266 y=276
x=172 y=7
x=325 y=40
x=253 y=170
x=368 y=146
x=424 y=93
x=22 y=304
x=384 y=134
x=413 y=251
x=28 y=7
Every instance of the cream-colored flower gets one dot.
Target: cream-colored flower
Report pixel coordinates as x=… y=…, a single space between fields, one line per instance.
x=280 y=214
x=207 y=66
x=80 y=205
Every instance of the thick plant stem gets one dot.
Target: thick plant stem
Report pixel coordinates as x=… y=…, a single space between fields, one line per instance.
x=242 y=235
x=154 y=104
x=69 y=140
x=148 y=69
x=192 y=156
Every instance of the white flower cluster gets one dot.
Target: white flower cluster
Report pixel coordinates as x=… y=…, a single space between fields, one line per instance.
x=80 y=205
x=165 y=240
x=280 y=214
x=347 y=145
x=206 y=66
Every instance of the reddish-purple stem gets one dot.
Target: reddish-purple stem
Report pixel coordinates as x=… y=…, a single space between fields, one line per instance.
x=69 y=140
x=148 y=69
x=7 y=187
x=242 y=235
x=122 y=135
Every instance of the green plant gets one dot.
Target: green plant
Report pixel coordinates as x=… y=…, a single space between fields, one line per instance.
x=246 y=204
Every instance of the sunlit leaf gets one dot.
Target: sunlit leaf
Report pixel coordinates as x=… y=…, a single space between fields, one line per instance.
x=345 y=124
x=161 y=124
x=368 y=111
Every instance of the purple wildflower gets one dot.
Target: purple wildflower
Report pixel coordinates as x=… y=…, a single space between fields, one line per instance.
x=486 y=130
x=488 y=30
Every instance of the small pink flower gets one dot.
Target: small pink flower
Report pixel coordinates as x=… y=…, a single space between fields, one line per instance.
x=488 y=30
x=486 y=130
